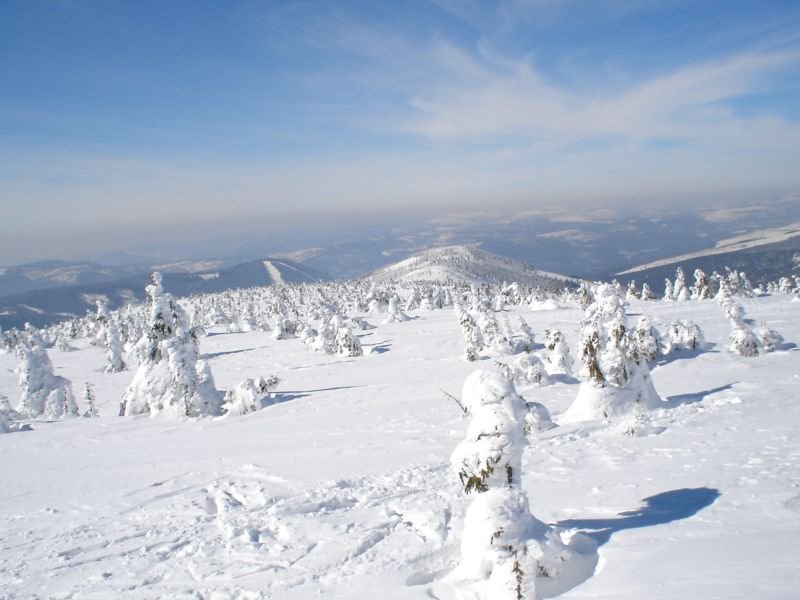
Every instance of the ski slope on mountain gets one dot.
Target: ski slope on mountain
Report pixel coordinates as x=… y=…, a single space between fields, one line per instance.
x=343 y=488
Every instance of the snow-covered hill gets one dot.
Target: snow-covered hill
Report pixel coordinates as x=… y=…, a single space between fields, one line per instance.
x=467 y=264
x=44 y=306
x=767 y=255
x=342 y=490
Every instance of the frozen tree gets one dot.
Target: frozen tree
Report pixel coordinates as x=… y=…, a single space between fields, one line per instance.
x=646 y=339
x=680 y=291
x=346 y=344
x=616 y=376
x=647 y=293
x=170 y=377
x=44 y=394
x=113 y=344
x=249 y=396
x=701 y=289
x=89 y=401
x=506 y=553
x=394 y=313
x=632 y=293
x=669 y=292
x=682 y=334
x=558 y=361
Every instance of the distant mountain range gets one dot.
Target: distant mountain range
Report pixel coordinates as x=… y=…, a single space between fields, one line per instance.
x=467 y=264
x=765 y=255
x=43 y=306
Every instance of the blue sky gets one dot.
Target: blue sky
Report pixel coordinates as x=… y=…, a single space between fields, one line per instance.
x=123 y=117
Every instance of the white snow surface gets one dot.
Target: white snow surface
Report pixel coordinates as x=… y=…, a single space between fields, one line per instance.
x=274 y=273
x=342 y=489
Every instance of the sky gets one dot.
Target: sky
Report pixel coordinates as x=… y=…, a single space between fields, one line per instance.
x=126 y=121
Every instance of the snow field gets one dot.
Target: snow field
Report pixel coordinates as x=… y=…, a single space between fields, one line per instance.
x=343 y=489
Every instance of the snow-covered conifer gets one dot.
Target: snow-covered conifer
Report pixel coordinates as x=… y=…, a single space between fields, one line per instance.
x=346 y=344
x=558 y=361
x=646 y=339
x=647 y=293
x=170 y=377
x=44 y=394
x=113 y=344
x=632 y=293
x=669 y=292
x=505 y=550
x=616 y=376
x=680 y=291
x=89 y=401
x=701 y=289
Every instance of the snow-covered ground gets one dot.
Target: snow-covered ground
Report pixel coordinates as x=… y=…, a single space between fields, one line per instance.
x=343 y=489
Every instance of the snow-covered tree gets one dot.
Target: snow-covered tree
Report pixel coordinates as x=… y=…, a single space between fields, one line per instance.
x=632 y=293
x=558 y=361
x=346 y=344
x=701 y=289
x=170 y=377
x=682 y=334
x=505 y=550
x=113 y=344
x=89 y=401
x=249 y=396
x=616 y=376
x=647 y=293
x=669 y=292
x=646 y=339
x=680 y=291
x=44 y=394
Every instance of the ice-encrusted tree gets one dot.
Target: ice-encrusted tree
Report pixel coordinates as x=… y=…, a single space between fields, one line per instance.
x=701 y=289
x=250 y=395
x=647 y=293
x=679 y=290
x=617 y=379
x=170 y=378
x=506 y=553
x=114 y=346
x=669 y=292
x=44 y=394
x=558 y=360
x=346 y=344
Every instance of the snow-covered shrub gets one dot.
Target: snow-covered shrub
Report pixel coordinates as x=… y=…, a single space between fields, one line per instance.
x=682 y=334
x=44 y=394
x=170 y=377
x=249 y=396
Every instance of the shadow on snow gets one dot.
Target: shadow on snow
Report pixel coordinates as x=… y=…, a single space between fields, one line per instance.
x=660 y=509
x=681 y=399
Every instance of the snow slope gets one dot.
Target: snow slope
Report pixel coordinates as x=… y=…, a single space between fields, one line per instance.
x=343 y=490
x=466 y=264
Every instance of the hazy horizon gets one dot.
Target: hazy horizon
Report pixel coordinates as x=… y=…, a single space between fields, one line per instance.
x=125 y=124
